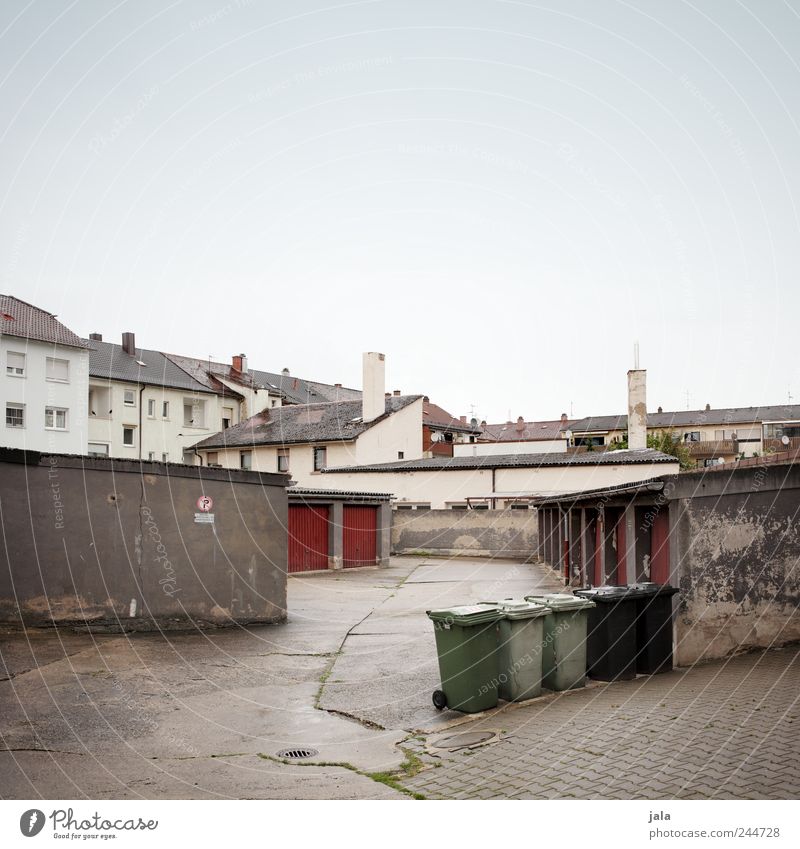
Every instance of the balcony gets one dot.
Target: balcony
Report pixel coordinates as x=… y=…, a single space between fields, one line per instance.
x=775 y=445
x=713 y=448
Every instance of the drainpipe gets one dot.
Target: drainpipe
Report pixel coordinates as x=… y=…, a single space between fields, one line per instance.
x=141 y=393
x=494 y=501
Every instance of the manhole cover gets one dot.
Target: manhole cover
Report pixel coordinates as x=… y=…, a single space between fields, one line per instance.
x=296 y=754
x=464 y=740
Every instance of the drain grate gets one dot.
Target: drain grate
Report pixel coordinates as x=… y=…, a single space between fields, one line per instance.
x=296 y=754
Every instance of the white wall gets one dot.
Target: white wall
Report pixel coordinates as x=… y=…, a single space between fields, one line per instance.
x=157 y=435
x=37 y=393
x=438 y=488
x=400 y=432
x=492 y=449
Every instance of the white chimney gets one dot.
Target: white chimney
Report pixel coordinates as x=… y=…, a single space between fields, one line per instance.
x=637 y=408
x=373 y=399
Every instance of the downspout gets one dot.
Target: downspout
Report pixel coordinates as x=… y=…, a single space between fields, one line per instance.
x=141 y=393
x=494 y=501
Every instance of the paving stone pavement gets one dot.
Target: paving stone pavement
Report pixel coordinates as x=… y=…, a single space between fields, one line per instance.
x=725 y=730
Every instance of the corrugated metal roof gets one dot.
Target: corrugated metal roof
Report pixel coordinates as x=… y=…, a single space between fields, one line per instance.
x=25 y=321
x=303 y=423
x=337 y=493
x=590 y=458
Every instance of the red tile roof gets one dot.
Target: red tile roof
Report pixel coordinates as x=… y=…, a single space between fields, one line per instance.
x=21 y=319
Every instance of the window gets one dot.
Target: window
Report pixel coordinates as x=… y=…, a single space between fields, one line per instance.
x=246 y=460
x=151 y=408
x=320 y=455
x=15 y=364
x=97 y=449
x=57 y=370
x=128 y=435
x=227 y=417
x=100 y=402
x=194 y=413
x=165 y=457
x=151 y=456
x=283 y=461
x=165 y=410
x=55 y=418
x=212 y=458
x=401 y=455
x=692 y=436
x=15 y=415
x=129 y=398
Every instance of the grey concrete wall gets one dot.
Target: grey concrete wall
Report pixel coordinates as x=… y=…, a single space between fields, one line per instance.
x=116 y=543
x=474 y=533
x=735 y=552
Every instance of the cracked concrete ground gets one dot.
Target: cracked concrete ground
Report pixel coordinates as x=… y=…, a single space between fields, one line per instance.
x=203 y=715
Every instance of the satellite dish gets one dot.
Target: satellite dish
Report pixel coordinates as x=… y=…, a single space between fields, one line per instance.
x=785 y=439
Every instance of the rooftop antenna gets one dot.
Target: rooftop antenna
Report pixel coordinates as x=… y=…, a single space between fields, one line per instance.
x=570 y=410
x=687 y=399
x=636 y=355
x=791 y=398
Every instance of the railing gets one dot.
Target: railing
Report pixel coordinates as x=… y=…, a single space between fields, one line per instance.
x=775 y=445
x=713 y=448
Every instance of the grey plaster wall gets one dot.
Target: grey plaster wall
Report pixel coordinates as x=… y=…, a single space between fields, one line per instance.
x=474 y=533
x=735 y=551
x=116 y=543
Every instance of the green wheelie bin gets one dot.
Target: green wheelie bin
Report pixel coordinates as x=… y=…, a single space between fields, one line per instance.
x=519 y=649
x=466 y=642
x=564 y=640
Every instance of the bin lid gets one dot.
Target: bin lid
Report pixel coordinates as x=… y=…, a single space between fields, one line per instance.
x=521 y=608
x=517 y=608
x=466 y=614
x=650 y=588
x=561 y=601
x=606 y=594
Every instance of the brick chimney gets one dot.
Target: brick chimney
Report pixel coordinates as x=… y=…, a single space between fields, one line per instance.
x=637 y=408
x=129 y=344
x=373 y=399
x=520 y=424
x=240 y=363
x=96 y=337
x=564 y=418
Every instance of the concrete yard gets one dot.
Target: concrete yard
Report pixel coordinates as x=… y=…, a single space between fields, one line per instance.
x=204 y=714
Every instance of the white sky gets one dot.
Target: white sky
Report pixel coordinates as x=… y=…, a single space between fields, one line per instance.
x=501 y=196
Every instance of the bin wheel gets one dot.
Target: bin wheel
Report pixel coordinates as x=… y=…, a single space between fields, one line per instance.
x=439 y=700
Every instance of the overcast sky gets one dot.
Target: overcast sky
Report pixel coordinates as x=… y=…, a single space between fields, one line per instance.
x=500 y=196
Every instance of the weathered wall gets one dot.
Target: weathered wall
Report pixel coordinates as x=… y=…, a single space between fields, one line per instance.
x=116 y=542
x=735 y=551
x=477 y=533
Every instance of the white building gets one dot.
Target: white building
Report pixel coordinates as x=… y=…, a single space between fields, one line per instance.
x=498 y=481
x=45 y=380
x=302 y=440
x=142 y=406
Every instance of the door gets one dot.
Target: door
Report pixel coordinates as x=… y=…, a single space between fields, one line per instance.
x=659 y=552
x=308 y=538
x=360 y=536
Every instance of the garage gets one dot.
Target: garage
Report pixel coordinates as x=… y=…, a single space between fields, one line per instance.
x=331 y=529
x=360 y=535
x=308 y=537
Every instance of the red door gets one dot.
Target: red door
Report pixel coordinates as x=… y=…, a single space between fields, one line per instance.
x=360 y=536
x=659 y=548
x=308 y=538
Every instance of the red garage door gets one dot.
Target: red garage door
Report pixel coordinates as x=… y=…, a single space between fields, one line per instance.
x=308 y=538
x=360 y=534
